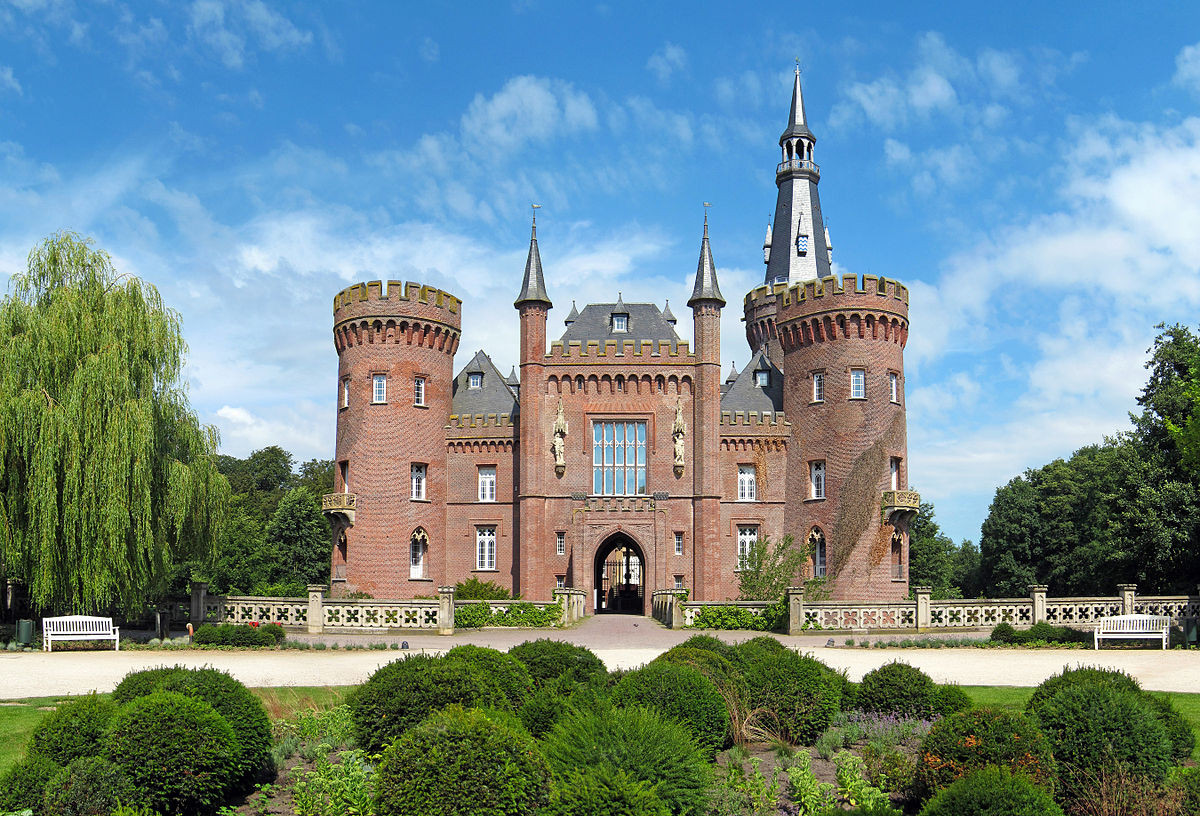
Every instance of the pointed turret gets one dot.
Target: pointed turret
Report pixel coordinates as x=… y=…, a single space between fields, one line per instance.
x=798 y=119
x=706 y=287
x=573 y=316
x=533 y=288
x=512 y=379
x=732 y=373
x=668 y=315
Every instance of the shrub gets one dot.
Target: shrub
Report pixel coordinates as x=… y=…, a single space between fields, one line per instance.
x=472 y=616
x=155 y=738
x=949 y=699
x=639 y=742
x=1186 y=781
x=543 y=709
x=473 y=589
x=1080 y=674
x=548 y=660
x=995 y=792
x=504 y=670
x=24 y=784
x=889 y=769
x=716 y=668
x=403 y=693
x=799 y=694
x=758 y=647
x=1183 y=739
x=598 y=793
x=897 y=688
x=74 y=729
x=140 y=683
x=89 y=786
x=712 y=644
x=682 y=693
x=1091 y=726
x=772 y=618
x=969 y=740
x=233 y=634
x=462 y=762
x=1004 y=633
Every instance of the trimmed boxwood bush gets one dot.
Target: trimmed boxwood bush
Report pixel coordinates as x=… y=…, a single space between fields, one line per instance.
x=799 y=694
x=993 y=792
x=74 y=729
x=720 y=671
x=588 y=791
x=140 y=683
x=24 y=784
x=548 y=660
x=235 y=634
x=505 y=670
x=897 y=688
x=1092 y=726
x=640 y=742
x=177 y=750
x=1080 y=675
x=543 y=709
x=962 y=743
x=89 y=786
x=756 y=648
x=1004 y=633
x=949 y=699
x=460 y=763
x=713 y=644
x=682 y=693
x=1183 y=739
x=403 y=693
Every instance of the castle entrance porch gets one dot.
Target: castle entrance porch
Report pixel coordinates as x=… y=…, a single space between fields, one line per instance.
x=620 y=576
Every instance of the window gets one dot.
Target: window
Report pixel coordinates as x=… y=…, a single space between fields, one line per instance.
x=485 y=548
x=762 y=378
x=560 y=581
x=379 y=388
x=816 y=478
x=418 y=546
x=475 y=380
x=897 y=556
x=816 y=540
x=560 y=543
x=679 y=543
x=346 y=393
x=619 y=458
x=679 y=582
x=487 y=483
x=858 y=383
x=620 y=322
x=746 y=536
x=746 y=486
x=894 y=386
x=895 y=473
x=818 y=378
x=418 y=481
x=344 y=467
x=418 y=390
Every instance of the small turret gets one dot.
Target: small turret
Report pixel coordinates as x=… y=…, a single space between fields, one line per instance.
x=573 y=316
x=706 y=287
x=668 y=315
x=533 y=288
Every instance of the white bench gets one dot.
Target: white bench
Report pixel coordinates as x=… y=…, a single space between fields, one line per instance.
x=79 y=627
x=1133 y=626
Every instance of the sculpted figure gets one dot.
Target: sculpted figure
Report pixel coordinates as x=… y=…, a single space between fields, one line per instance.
x=678 y=432
x=559 y=446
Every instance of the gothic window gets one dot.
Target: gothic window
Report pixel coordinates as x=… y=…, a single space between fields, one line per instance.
x=418 y=550
x=895 y=473
x=487 y=483
x=816 y=478
x=619 y=458
x=897 y=556
x=816 y=540
x=417 y=472
x=746 y=486
x=485 y=548
x=746 y=536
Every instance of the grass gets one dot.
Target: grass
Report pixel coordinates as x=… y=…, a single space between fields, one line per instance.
x=285 y=702
x=16 y=724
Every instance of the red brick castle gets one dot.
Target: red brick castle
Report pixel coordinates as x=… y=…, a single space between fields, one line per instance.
x=620 y=461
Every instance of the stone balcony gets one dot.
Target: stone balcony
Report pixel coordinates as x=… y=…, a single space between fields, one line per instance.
x=342 y=504
x=901 y=505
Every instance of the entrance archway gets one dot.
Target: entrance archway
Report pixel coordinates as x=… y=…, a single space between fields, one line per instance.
x=620 y=577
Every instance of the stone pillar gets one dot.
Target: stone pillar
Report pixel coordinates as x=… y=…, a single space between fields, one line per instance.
x=795 y=597
x=316 y=611
x=199 y=601
x=1128 y=593
x=563 y=597
x=923 y=594
x=1037 y=593
x=446 y=610
x=678 y=619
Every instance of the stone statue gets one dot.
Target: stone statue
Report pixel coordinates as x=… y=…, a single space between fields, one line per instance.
x=678 y=432
x=559 y=446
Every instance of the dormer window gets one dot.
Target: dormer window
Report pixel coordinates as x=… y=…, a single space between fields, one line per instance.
x=762 y=378
x=620 y=322
x=475 y=380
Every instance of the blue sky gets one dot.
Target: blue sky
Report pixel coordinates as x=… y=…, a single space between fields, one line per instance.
x=1030 y=170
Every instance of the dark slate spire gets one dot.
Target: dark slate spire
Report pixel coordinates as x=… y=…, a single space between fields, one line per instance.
x=668 y=315
x=533 y=289
x=512 y=378
x=706 y=287
x=573 y=316
x=733 y=373
x=797 y=119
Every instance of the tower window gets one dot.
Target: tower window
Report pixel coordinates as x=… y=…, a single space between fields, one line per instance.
x=620 y=322
x=344 y=467
x=379 y=388
x=678 y=543
x=560 y=543
x=818 y=382
x=894 y=386
x=746 y=536
x=418 y=390
x=895 y=473
x=762 y=378
x=346 y=392
x=619 y=458
x=679 y=582
x=816 y=540
x=475 y=380
x=485 y=548
x=487 y=483
x=747 y=490
x=858 y=383
x=560 y=582
x=417 y=472
x=418 y=547
x=816 y=478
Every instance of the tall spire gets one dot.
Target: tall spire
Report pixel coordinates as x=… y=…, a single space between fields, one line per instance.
x=797 y=250
x=706 y=287
x=533 y=289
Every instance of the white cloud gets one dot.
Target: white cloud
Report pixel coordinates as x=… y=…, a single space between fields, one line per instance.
x=1187 y=68
x=8 y=81
x=666 y=61
x=209 y=26
x=429 y=50
x=303 y=430
x=274 y=31
x=527 y=109
x=225 y=29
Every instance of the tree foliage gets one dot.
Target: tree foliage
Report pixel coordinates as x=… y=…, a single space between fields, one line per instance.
x=300 y=534
x=768 y=571
x=935 y=561
x=106 y=475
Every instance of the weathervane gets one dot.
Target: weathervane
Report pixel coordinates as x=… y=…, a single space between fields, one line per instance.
x=535 y=208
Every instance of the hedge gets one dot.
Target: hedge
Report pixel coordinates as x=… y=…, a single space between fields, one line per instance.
x=681 y=693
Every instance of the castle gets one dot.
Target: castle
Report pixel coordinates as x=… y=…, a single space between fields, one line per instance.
x=620 y=461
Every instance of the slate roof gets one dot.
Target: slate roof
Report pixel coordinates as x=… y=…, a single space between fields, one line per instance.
x=492 y=397
x=594 y=322
x=533 y=288
x=744 y=395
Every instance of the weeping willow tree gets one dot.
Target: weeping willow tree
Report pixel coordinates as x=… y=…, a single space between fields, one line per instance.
x=107 y=478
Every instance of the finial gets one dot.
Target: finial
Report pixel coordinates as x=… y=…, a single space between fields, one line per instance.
x=797 y=66
x=706 y=206
x=535 y=208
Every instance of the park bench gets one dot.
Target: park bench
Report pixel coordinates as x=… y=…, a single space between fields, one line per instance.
x=79 y=627
x=1133 y=626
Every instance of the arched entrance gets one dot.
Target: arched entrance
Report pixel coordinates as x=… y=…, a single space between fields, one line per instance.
x=620 y=577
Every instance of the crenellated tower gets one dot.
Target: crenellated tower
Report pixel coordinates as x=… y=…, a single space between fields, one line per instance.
x=395 y=348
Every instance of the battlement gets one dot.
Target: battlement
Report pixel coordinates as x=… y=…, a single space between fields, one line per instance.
x=397 y=297
x=502 y=420
x=826 y=290
x=767 y=418
x=661 y=351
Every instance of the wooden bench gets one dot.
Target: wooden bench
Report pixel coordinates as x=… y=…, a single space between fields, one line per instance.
x=79 y=627
x=1133 y=626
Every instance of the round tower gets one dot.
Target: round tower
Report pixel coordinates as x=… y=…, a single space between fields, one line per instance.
x=395 y=371
x=843 y=362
